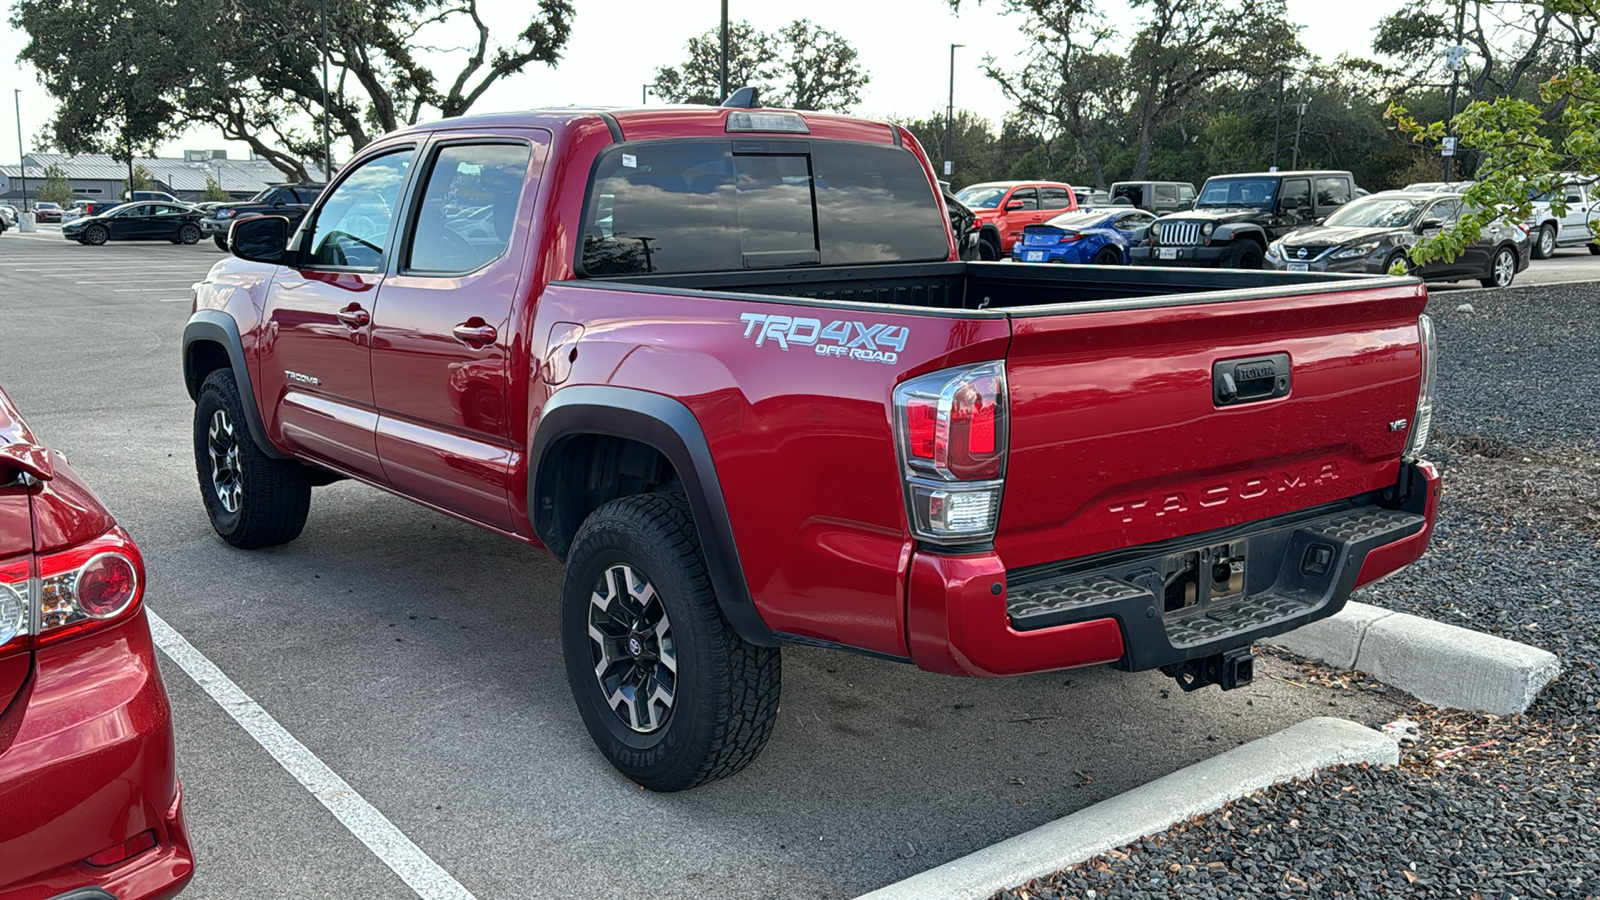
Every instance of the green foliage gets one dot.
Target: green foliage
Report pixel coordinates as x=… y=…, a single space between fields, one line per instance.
x=132 y=72
x=802 y=66
x=56 y=189
x=214 y=190
x=142 y=180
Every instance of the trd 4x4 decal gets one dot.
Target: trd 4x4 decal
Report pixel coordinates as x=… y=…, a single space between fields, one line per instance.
x=841 y=338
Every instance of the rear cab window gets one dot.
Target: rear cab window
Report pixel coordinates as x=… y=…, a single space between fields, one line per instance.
x=716 y=205
x=1054 y=198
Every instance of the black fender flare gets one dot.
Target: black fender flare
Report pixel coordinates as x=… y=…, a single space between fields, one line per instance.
x=217 y=327
x=667 y=425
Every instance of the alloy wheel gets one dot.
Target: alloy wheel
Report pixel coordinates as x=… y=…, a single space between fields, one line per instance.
x=1505 y=268
x=1547 y=241
x=222 y=446
x=631 y=645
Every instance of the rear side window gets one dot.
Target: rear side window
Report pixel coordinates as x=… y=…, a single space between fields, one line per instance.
x=1332 y=192
x=468 y=207
x=1054 y=198
x=1165 y=193
x=702 y=206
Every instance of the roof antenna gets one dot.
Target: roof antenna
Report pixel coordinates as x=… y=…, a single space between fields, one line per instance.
x=743 y=98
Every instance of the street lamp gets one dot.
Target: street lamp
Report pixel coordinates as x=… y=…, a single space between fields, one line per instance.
x=327 y=143
x=949 y=117
x=723 y=79
x=22 y=156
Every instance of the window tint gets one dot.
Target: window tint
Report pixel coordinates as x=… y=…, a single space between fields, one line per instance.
x=1054 y=198
x=352 y=228
x=1029 y=198
x=1332 y=192
x=1447 y=211
x=1165 y=193
x=1574 y=194
x=1185 y=192
x=699 y=206
x=468 y=207
x=1299 y=189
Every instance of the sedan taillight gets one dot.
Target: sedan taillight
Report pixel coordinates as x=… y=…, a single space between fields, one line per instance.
x=71 y=591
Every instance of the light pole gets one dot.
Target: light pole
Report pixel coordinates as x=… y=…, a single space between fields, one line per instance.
x=22 y=156
x=1295 y=164
x=949 y=117
x=1456 y=55
x=723 y=79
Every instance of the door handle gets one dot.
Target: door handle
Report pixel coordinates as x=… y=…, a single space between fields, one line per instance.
x=475 y=334
x=354 y=316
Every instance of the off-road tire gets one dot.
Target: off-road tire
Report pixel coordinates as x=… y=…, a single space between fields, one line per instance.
x=1546 y=235
x=1243 y=254
x=1502 y=269
x=988 y=251
x=726 y=690
x=274 y=495
x=189 y=234
x=95 y=235
x=221 y=241
x=1107 y=256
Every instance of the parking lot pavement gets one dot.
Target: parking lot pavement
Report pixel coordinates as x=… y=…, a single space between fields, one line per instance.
x=1567 y=266
x=417 y=657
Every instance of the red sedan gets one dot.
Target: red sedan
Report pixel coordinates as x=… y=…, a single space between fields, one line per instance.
x=89 y=799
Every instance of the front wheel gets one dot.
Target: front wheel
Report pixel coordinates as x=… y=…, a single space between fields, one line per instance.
x=252 y=499
x=1244 y=254
x=1544 y=245
x=671 y=694
x=1401 y=259
x=1502 y=270
x=96 y=235
x=221 y=242
x=988 y=251
x=189 y=234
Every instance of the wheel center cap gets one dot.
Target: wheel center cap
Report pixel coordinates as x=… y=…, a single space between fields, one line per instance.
x=635 y=646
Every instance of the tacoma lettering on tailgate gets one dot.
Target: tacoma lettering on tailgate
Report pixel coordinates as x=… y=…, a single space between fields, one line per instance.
x=1252 y=488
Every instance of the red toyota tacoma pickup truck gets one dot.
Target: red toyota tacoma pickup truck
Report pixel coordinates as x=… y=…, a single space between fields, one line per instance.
x=727 y=365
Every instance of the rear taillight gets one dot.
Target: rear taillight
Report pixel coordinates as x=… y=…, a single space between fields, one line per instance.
x=1422 y=422
x=952 y=432
x=72 y=591
x=1069 y=237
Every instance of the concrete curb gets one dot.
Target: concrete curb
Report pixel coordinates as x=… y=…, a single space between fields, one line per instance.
x=1295 y=752
x=1444 y=665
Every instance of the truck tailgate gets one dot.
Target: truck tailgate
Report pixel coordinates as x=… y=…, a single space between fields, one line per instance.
x=1118 y=436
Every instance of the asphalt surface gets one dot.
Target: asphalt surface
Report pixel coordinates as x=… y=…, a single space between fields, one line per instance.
x=417 y=656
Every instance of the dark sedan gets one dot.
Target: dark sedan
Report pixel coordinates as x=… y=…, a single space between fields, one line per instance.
x=1373 y=233
x=140 y=221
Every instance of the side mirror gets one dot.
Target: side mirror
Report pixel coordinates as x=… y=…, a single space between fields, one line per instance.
x=1429 y=225
x=1289 y=204
x=1015 y=204
x=263 y=239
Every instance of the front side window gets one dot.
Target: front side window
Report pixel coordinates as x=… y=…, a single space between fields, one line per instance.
x=352 y=228
x=1185 y=193
x=702 y=206
x=1299 y=190
x=1028 y=197
x=468 y=207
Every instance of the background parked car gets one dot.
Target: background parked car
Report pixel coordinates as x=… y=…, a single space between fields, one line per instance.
x=1549 y=231
x=1237 y=216
x=1101 y=237
x=88 y=771
x=1371 y=235
x=173 y=222
x=1004 y=208
x=86 y=208
x=288 y=200
x=1159 y=197
x=1440 y=187
x=46 y=211
x=8 y=218
x=149 y=195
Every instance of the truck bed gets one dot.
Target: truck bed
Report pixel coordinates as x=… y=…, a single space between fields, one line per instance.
x=989 y=287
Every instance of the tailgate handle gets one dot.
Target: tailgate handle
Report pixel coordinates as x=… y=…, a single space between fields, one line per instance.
x=1235 y=381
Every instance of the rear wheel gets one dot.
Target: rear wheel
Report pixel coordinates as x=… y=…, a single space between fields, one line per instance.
x=1244 y=254
x=221 y=242
x=252 y=499
x=189 y=234
x=1544 y=243
x=671 y=694
x=988 y=250
x=1108 y=256
x=1502 y=269
x=96 y=235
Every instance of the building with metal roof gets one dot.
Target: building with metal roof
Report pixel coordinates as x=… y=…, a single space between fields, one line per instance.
x=96 y=176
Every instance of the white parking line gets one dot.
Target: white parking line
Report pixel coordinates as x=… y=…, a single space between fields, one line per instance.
x=176 y=299
x=417 y=869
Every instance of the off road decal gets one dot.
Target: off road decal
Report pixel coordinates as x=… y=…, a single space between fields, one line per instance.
x=840 y=338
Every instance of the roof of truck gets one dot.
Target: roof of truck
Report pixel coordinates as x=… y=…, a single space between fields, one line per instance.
x=658 y=122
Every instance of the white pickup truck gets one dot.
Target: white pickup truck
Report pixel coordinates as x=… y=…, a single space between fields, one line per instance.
x=1549 y=231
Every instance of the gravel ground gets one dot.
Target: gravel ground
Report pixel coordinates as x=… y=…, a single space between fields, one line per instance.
x=1480 y=806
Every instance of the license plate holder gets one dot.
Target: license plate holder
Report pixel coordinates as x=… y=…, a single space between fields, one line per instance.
x=1169 y=252
x=1033 y=256
x=1298 y=267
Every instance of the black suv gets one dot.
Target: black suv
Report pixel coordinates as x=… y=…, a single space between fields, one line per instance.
x=288 y=200
x=1237 y=216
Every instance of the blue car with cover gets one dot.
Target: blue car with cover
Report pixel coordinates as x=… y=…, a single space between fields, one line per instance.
x=1101 y=237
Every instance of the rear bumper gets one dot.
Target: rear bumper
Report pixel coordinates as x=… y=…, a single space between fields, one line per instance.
x=87 y=764
x=1188 y=257
x=967 y=615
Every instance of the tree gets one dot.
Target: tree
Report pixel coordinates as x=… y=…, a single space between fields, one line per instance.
x=253 y=70
x=140 y=180
x=802 y=66
x=96 y=58
x=55 y=188
x=214 y=190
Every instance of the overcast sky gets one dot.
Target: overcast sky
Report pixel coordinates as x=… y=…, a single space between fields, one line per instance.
x=616 y=46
